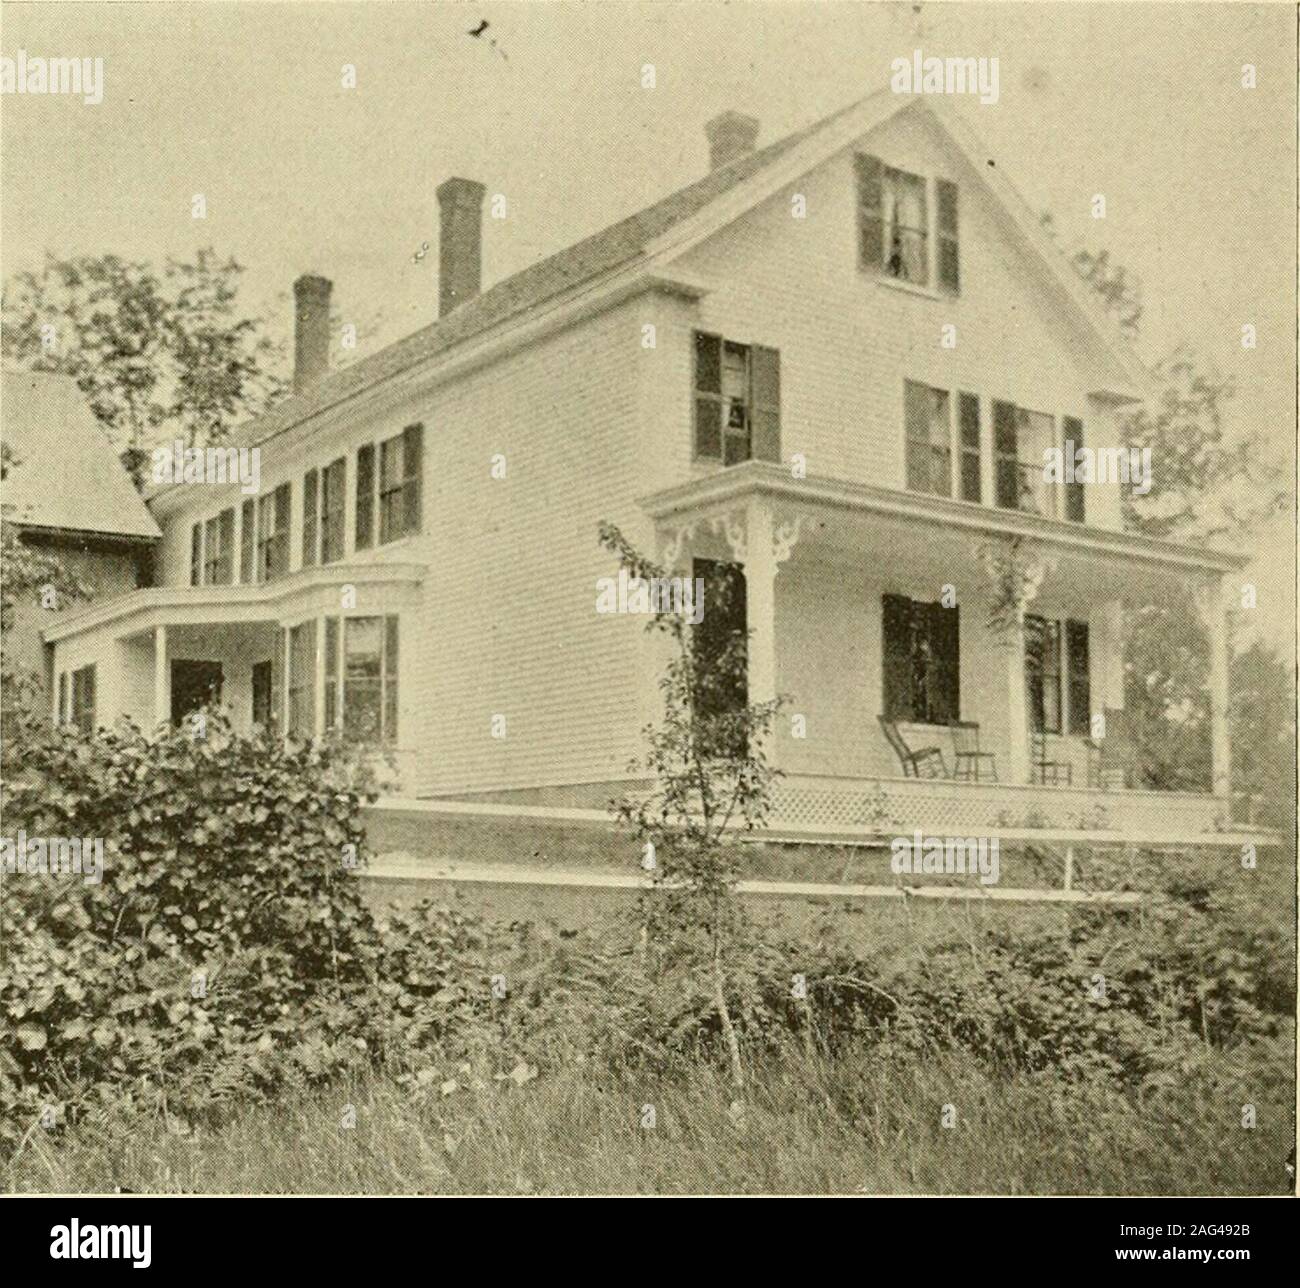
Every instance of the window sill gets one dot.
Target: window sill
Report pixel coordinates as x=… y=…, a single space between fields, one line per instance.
x=908 y=288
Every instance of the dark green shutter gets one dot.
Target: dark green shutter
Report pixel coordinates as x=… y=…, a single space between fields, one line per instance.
x=1006 y=471
x=949 y=260
x=365 y=534
x=871 y=228
x=310 y=487
x=765 y=399
x=1073 y=491
x=944 y=678
x=413 y=470
x=708 y=396
x=896 y=655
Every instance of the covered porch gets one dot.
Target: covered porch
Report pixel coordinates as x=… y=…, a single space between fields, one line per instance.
x=286 y=655
x=885 y=618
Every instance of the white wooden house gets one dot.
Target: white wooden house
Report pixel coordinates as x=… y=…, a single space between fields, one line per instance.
x=836 y=361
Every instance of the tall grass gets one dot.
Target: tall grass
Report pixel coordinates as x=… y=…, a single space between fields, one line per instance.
x=859 y=1124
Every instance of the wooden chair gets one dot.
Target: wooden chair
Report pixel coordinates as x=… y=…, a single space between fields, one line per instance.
x=970 y=763
x=1052 y=773
x=1111 y=759
x=921 y=763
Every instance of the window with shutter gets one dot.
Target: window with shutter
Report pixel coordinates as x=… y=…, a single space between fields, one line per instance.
x=310 y=523
x=196 y=555
x=273 y=534
x=1073 y=491
x=737 y=401
x=365 y=534
x=62 y=717
x=949 y=261
x=927 y=430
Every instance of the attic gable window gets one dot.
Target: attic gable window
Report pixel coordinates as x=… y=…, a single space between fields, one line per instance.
x=737 y=401
x=894 y=235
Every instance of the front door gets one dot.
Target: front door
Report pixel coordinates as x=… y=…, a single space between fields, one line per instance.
x=194 y=685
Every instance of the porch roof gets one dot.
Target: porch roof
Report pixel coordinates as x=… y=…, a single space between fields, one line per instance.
x=716 y=492
x=141 y=610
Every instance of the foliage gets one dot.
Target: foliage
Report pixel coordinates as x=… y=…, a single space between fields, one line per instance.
x=218 y=954
x=25 y=572
x=159 y=354
x=708 y=761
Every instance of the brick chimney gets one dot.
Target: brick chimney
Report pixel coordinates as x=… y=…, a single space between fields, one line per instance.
x=311 y=330
x=730 y=135
x=460 y=243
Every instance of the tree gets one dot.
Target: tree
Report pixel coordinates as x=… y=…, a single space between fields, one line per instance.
x=1205 y=486
x=710 y=773
x=159 y=355
x=24 y=572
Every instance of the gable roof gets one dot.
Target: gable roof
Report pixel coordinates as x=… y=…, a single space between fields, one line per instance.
x=65 y=473
x=663 y=229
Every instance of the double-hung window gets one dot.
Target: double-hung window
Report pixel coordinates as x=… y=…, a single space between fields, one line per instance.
x=1021 y=440
x=273 y=534
x=894 y=233
x=737 y=401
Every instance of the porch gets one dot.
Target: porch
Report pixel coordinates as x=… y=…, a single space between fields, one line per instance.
x=877 y=613
x=299 y=654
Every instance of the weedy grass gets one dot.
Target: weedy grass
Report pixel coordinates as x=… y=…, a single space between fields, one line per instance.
x=862 y=1123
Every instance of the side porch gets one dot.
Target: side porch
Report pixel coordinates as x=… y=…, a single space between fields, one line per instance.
x=948 y=665
x=312 y=651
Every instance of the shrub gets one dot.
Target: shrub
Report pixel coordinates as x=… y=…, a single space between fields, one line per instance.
x=219 y=951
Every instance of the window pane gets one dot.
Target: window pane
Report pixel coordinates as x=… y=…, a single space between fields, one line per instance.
x=362 y=677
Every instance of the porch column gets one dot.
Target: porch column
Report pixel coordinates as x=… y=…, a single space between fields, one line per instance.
x=1212 y=606
x=760 y=600
x=1109 y=682
x=162 y=689
x=1017 y=709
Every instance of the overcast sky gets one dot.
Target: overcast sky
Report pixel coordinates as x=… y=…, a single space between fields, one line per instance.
x=243 y=103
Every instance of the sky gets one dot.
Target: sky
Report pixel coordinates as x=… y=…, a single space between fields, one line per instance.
x=243 y=102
